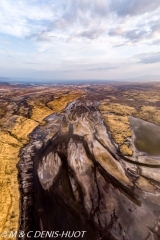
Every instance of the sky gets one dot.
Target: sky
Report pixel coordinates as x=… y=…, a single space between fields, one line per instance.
x=80 y=39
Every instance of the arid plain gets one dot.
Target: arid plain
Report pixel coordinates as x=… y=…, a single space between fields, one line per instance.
x=92 y=147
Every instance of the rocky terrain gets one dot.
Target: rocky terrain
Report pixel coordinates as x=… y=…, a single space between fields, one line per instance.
x=81 y=164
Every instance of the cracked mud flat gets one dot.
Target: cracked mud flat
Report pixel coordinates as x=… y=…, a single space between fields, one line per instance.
x=74 y=176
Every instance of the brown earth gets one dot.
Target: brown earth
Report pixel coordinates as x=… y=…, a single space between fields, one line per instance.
x=23 y=108
x=16 y=125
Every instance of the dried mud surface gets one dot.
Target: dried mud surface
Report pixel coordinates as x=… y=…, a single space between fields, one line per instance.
x=68 y=160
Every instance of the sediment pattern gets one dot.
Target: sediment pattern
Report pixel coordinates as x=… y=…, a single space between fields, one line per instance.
x=78 y=166
x=81 y=182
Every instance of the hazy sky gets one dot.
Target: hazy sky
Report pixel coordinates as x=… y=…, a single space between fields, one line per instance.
x=79 y=39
